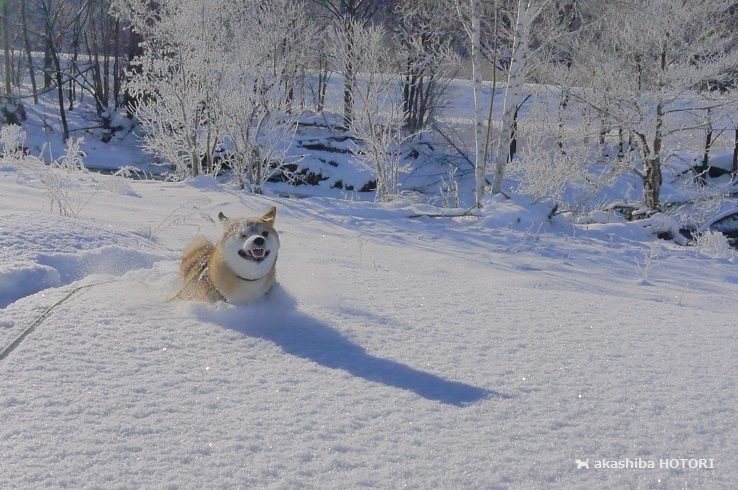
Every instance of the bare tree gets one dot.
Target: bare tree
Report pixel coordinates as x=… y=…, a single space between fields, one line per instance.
x=424 y=33
x=346 y=13
x=29 y=52
x=101 y=42
x=4 y=27
x=60 y=20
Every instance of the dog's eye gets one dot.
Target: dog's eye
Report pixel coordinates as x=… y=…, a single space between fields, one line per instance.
x=265 y=234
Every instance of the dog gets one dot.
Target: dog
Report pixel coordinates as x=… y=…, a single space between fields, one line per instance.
x=582 y=464
x=239 y=269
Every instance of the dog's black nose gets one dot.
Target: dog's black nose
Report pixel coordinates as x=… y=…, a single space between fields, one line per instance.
x=259 y=241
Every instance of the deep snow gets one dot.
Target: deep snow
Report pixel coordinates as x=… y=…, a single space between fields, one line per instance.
x=475 y=352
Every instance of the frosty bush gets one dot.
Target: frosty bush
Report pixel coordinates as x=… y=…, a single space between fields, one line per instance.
x=645 y=266
x=15 y=154
x=12 y=139
x=59 y=185
x=714 y=244
x=449 y=190
x=56 y=177
x=72 y=158
x=546 y=170
x=548 y=174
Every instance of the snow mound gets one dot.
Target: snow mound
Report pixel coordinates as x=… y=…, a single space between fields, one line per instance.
x=50 y=251
x=521 y=213
x=21 y=278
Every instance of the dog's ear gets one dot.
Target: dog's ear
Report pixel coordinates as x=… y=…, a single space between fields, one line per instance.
x=270 y=215
x=222 y=217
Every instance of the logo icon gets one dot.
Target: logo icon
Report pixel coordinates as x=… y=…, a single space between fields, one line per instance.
x=582 y=464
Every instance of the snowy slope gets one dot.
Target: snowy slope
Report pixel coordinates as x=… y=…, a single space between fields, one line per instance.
x=477 y=352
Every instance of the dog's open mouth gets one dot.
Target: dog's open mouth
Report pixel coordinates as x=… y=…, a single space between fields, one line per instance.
x=255 y=254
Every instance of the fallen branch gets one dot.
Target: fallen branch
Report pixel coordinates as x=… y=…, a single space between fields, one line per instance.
x=474 y=213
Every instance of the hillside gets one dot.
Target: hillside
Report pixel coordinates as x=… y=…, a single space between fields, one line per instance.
x=479 y=352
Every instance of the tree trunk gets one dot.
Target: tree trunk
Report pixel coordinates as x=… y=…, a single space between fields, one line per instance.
x=513 y=93
x=493 y=91
x=651 y=175
x=708 y=143
x=652 y=183
x=27 y=45
x=117 y=71
x=409 y=84
x=563 y=105
x=652 y=161
x=6 y=49
x=735 y=152
x=60 y=92
x=48 y=80
x=480 y=157
x=514 y=136
x=322 y=81
x=134 y=49
x=349 y=76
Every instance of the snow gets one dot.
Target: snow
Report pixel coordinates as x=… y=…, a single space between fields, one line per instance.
x=487 y=351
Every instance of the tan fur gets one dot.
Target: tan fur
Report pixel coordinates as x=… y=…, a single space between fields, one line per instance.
x=194 y=255
x=220 y=282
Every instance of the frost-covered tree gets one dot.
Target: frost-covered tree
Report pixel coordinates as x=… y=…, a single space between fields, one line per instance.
x=378 y=122
x=345 y=14
x=176 y=78
x=216 y=78
x=508 y=28
x=257 y=98
x=59 y=22
x=424 y=34
x=566 y=179
x=526 y=14
x=640 y=67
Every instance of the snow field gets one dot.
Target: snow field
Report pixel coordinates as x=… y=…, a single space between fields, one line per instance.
x=451 y=353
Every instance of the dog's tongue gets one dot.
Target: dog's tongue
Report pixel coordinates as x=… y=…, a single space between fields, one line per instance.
x=257 y=252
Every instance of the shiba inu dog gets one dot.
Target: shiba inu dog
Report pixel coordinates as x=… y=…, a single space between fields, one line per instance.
x=240 y=268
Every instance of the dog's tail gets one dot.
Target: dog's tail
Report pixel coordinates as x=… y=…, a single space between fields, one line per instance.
x=195 y=255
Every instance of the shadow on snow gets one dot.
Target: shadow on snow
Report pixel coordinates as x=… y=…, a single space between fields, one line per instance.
x=277 y=320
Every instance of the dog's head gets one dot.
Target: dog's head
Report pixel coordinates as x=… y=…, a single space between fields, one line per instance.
x=250 y=245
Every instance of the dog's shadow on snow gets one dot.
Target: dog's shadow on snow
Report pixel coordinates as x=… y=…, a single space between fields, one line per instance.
x=277 y=319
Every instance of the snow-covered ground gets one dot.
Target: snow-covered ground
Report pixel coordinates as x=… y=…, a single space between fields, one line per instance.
x=478 y=352
x=499 y=350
